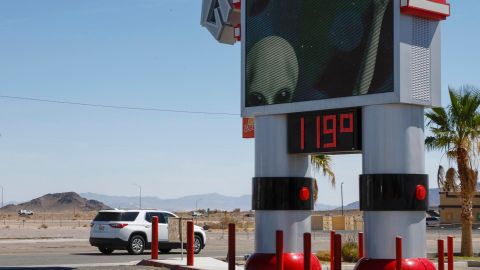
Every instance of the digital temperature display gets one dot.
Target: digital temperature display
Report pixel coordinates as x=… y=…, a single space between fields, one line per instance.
x=330 y=132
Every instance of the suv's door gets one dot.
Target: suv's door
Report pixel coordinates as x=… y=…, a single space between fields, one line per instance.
x=148 y=226
x=162 y=226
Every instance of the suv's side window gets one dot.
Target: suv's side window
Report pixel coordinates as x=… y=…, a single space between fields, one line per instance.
x=166 y=216
x=150 y=215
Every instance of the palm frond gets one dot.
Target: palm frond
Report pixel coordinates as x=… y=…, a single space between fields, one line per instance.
x=323 y=163
x=451 y=179
x=441 y=177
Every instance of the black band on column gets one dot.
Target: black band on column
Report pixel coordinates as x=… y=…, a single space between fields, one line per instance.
x=394 y=192
x=282 y=193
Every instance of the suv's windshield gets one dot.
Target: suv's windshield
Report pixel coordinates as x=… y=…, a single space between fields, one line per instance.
x=116 y=216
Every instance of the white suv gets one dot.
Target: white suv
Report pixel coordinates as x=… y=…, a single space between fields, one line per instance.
x=132 y=230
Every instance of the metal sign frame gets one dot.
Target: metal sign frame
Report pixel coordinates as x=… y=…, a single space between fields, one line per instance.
x=406 y=38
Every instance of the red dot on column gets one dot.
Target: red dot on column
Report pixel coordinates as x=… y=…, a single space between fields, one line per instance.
x=421 y=192
x=304 y=194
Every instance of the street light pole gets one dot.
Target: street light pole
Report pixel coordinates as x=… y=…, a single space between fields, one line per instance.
x=140 y=188
x=1 y=208
x=196 y=204
x=341 y=191
x=2 y=194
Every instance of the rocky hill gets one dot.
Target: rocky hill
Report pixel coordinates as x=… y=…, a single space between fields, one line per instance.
x=58 y=202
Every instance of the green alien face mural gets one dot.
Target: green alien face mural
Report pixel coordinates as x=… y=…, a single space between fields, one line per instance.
x=275 y=84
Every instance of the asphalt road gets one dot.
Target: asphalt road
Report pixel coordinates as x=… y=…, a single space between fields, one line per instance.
x=78 y=254
x=77 y=259
x=74 y=253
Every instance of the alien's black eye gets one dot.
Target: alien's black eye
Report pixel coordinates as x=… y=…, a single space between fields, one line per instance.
x=256 y=99
x=283 y=96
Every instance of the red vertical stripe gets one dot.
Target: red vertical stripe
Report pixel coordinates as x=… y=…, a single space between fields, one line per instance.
x=279 y=250
x=337 y=265
x=441 y=255
x=332 y=249
x=190 y=240
x=450 y=252
x=231 y=246
x=398 y=248
x=360 y=245
x=307 y=251
x=154 y=248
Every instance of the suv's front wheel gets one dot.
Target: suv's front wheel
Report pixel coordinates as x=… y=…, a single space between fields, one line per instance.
x=136 y=245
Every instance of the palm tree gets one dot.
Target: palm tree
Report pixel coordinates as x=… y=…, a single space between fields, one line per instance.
x=447 y=181
x=323 y=163
x=455 y=131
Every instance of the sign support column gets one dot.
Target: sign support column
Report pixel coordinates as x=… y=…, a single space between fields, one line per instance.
x=394 y=167
x=282 y=197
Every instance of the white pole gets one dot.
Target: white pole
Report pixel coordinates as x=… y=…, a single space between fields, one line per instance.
x=272 y=160
x=393 y=142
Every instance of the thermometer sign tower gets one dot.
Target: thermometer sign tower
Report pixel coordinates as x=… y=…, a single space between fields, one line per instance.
x=337 y=77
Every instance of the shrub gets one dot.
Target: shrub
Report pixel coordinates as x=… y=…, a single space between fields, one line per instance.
x=350 y=252
x=323 y=255
x=43 y=226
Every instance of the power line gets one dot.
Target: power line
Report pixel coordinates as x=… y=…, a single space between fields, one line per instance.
x=115 y=106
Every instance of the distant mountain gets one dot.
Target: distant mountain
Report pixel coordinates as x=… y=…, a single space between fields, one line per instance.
x=187 y=203
x=434 y=197
x=58 y=202
x=351 y=206
x=10 y=202
x=434 y=201
x=324 y=207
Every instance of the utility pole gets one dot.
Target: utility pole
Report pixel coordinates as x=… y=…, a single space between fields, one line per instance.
x=140 y=197
x=196 y=204
x=341 y=191
x=1 y=212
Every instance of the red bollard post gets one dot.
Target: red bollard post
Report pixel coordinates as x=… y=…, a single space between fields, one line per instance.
x=307 y=251
x=231 y=246
x=398 y=248
x=190 y=241
x=450 y=252
x=360 y=245
x=154 y=238
x=279 y=254
x=441 y=254
x=338 y=252
x=332 y=249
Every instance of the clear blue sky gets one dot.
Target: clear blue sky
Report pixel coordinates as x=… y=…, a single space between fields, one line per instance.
x=146 y=53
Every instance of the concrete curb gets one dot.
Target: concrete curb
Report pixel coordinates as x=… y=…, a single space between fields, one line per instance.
x=166 y=265
x=201 y=263
x=473 y=263
x=349 y=266
x=345 y=266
